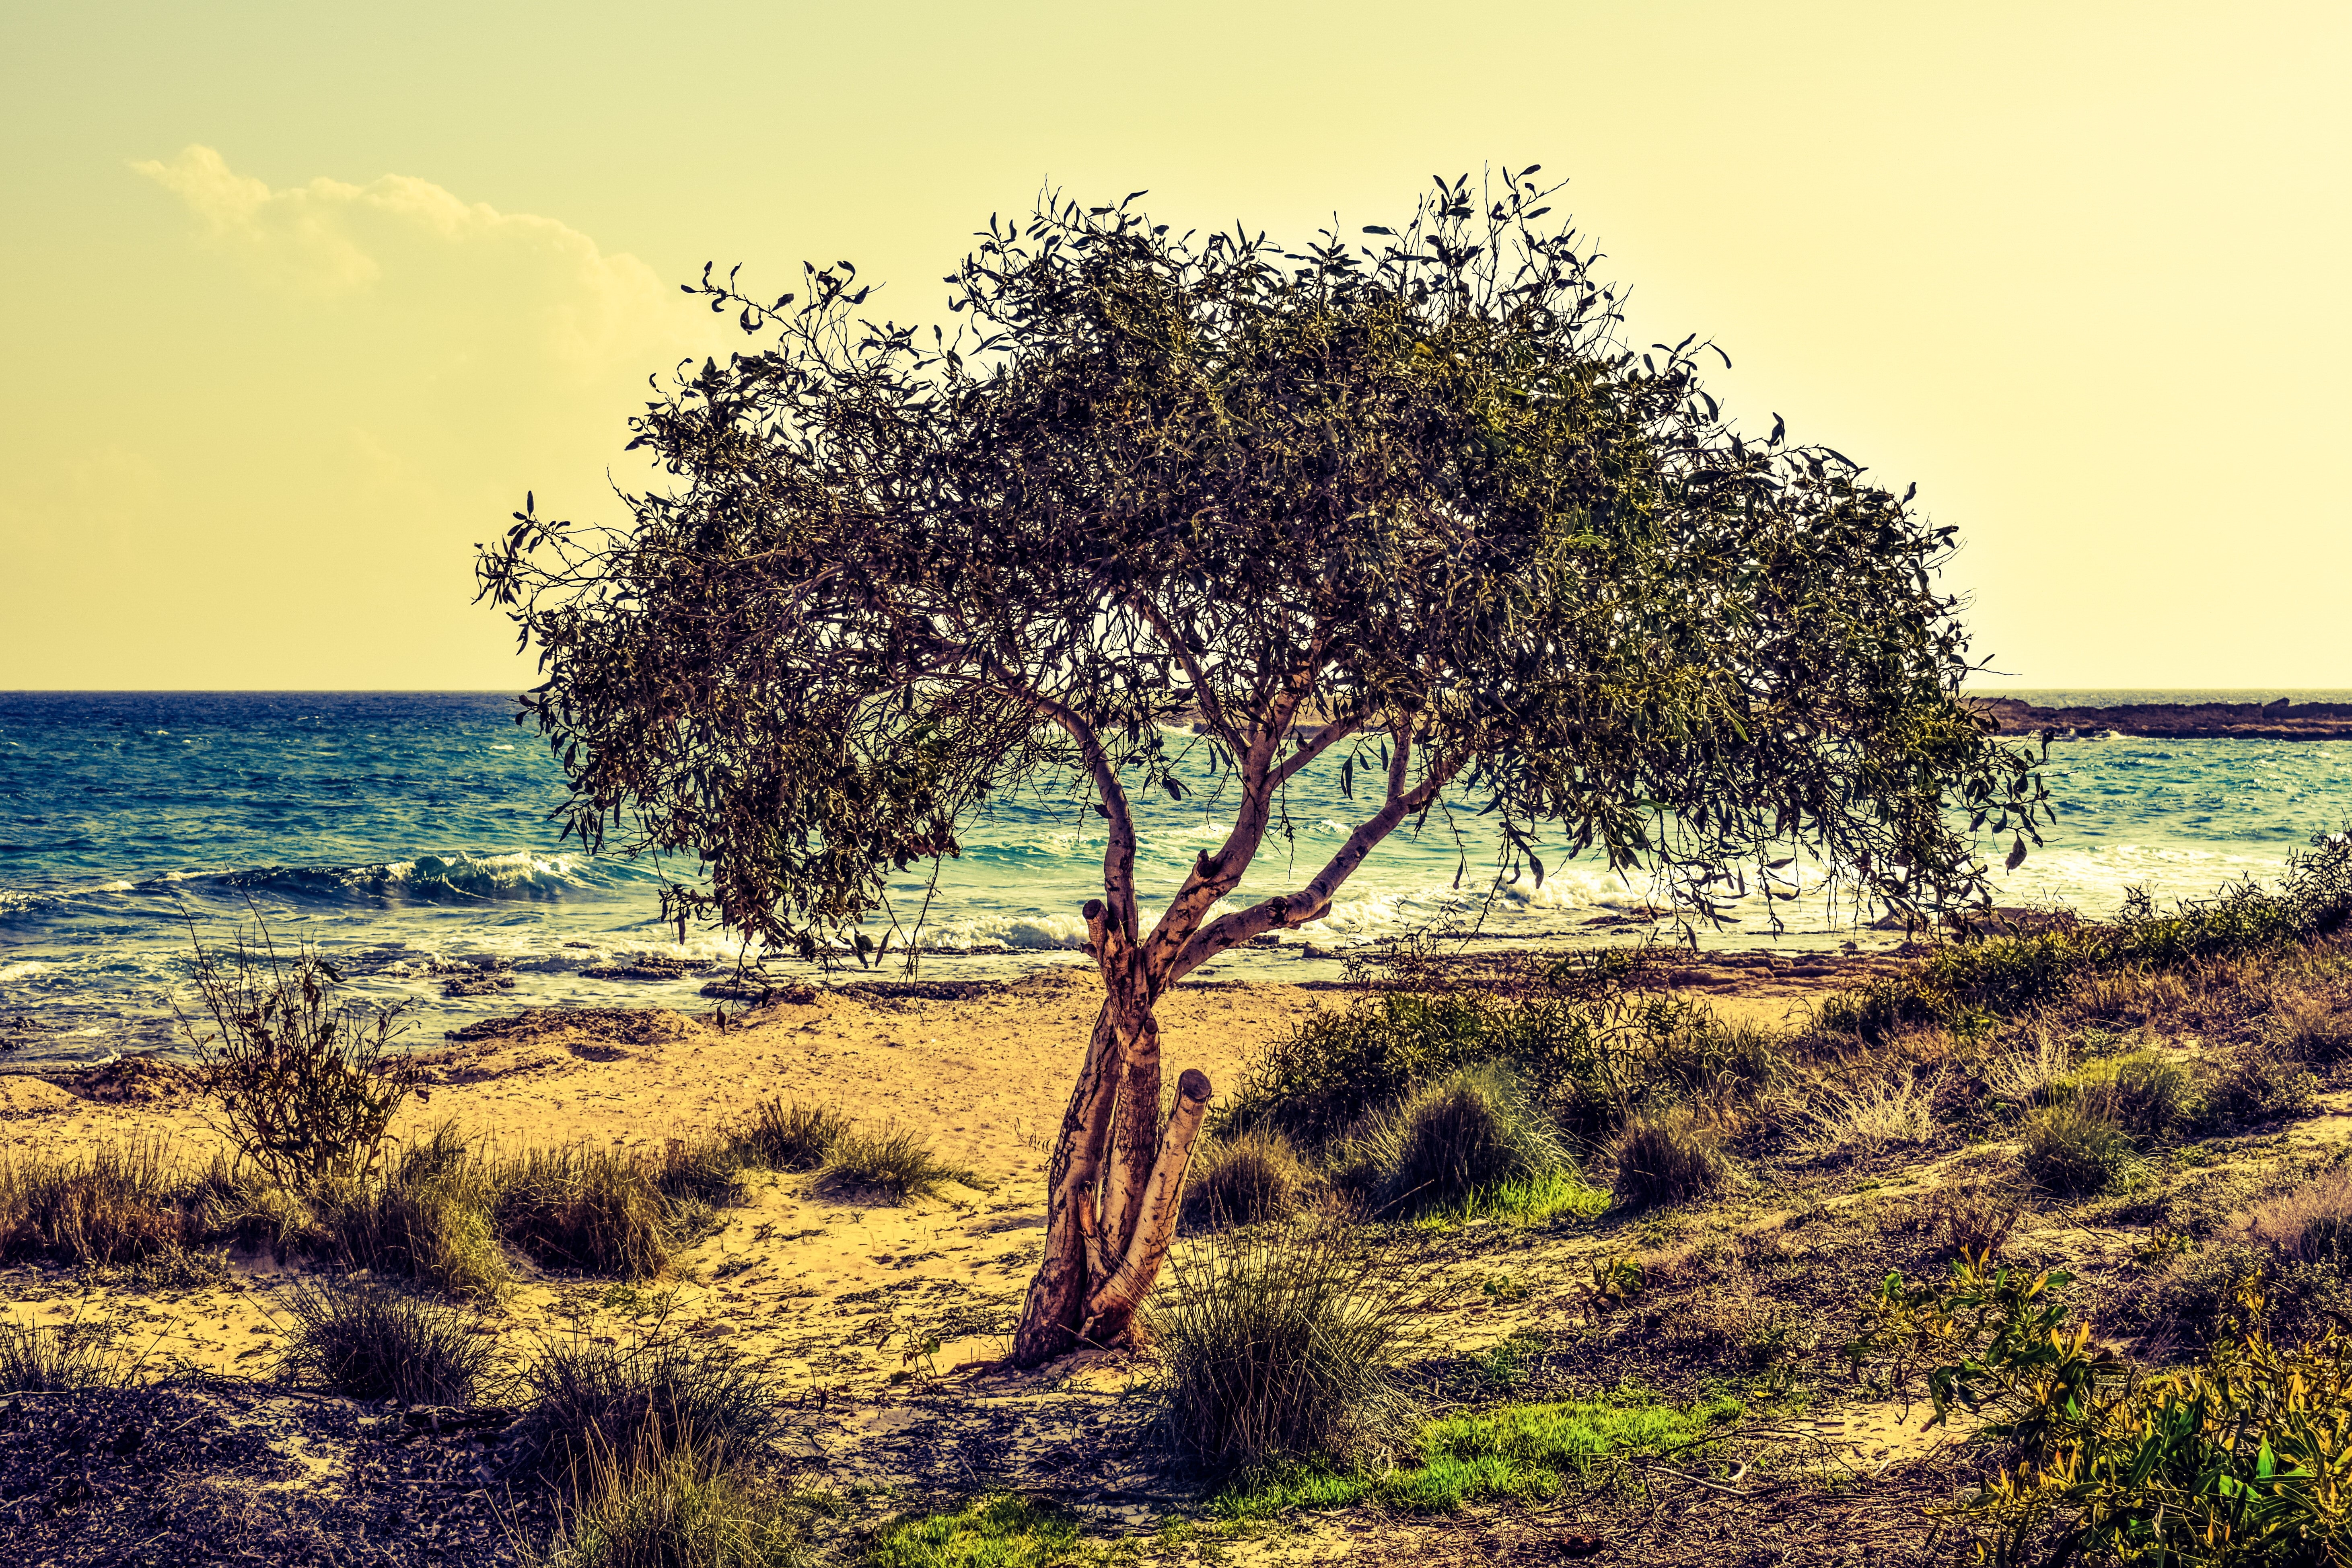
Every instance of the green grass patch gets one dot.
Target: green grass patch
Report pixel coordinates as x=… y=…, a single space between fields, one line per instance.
x=1526 y=1201
x=999 y=1532
x=1524 y=1452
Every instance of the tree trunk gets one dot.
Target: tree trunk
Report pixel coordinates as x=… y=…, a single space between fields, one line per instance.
x=1117 y=1174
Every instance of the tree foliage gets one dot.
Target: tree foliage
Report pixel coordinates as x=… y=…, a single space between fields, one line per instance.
x=1416 y=501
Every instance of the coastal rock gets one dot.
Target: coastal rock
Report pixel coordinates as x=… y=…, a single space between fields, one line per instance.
x=2281 y=720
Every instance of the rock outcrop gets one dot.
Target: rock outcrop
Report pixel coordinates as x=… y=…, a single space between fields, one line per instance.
x=2280 y=720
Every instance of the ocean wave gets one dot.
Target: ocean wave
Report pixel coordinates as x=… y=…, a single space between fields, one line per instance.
x=458 y=878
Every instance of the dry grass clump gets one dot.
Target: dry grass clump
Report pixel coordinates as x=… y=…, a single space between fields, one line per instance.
x=2028 y=1074
x=37 y=1360
x=584 y=1402
x=1444 y=1145
x=580 y=1207
x=1669 y=1158
x=1247 y=1180
x=1863 y=1121
x=2311 y=1223
x=790 y=1136
x=368 y=1342
x=1974 y=1214
x=2072 y=1150
x=114 y=1205
x=2313 y=1028
x=701 y=1170
x=673 y=1505
x=895 y=1161
x=1280 y=1343
x=431 y=1217
x=2255 y=1083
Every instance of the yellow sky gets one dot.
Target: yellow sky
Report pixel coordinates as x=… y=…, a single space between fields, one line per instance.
x=296 y=300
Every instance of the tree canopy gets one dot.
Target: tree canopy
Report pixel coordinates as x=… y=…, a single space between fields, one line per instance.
x=1407 y=499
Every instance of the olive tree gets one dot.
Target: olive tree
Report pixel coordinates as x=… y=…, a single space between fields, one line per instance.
x=1407 y=505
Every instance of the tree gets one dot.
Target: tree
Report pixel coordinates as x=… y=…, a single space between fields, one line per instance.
x=1412 y=506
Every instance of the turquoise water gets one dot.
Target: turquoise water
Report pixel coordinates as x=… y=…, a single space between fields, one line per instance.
x=403 y=831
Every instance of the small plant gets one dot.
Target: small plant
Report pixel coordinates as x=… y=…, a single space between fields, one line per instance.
x=2072 y=1150
x=897 y=1161
x=673 y=1504
x=701 y=1171
x=368 y=1342
x=306 y=1086
x=790 y=1136
x=1671 y=1158
x=1246 y=1181
x=1974 y=1215
x=37 y=1360
x=2254 y=1084
x=1467 y=1134
x=1280 y=1343
x=587 y=1207
x=583 y=1400
x=1610 y=1282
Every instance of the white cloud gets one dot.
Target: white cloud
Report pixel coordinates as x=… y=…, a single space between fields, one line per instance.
x=489 y=282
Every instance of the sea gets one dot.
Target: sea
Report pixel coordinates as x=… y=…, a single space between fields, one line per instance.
x=410 y=837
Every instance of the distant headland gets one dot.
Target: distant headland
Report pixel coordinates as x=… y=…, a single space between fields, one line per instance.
x=2281 y=720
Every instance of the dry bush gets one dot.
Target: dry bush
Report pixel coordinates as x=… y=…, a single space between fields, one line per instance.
x=2311 y=1223
x=1973 y=1214
x=2027 y=1075
x=1875 y=1116
x=587 y=1207
x=35 y=1359
x=1670 y=1158
x=306 y=1085
x=2144 y=1092
x=2255 y=1084
x=367 y=1343
x=1282 y=1343
x=1247 y=1180
x=113 y=1204
x=2313 y=1028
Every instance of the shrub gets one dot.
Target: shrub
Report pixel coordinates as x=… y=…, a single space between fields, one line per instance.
x=790 y=1138
x=37 y=1360
x=672 y=1506
x=1469 y=1133
x=2313 y=1028
x=2144 y=1092
x=367 y=1343
x=1246 y=1181
x=1671 y=1158
x=587 y=1207
x=1280 y=1343
x=583 y=1400
x=2254 y=1084
x=2072 y=1150
x=895 y=1160
x=114 y=1205
x=431 y=1217
x=307 y=1088
x=2309 y=1224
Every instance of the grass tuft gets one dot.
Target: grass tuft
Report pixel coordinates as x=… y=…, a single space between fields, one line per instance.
x=896 y=1160
x=582 y=1399
x=581 y=1206
x=432 y=1217
x=367 y=1343
x=37 y=1360
x=673 y=1505
x=790 y=1136
x=1279 y=1345
x=1467 y=1134
x=115 y=1205
x=1247 y=1179
x=1001 y=1531
x=1671 y=1158
x=2072 y=1150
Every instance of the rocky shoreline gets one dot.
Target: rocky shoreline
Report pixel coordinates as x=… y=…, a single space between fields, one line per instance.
x=2280 y=720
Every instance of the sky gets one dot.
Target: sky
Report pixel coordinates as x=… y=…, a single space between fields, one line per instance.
x=298 y=301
